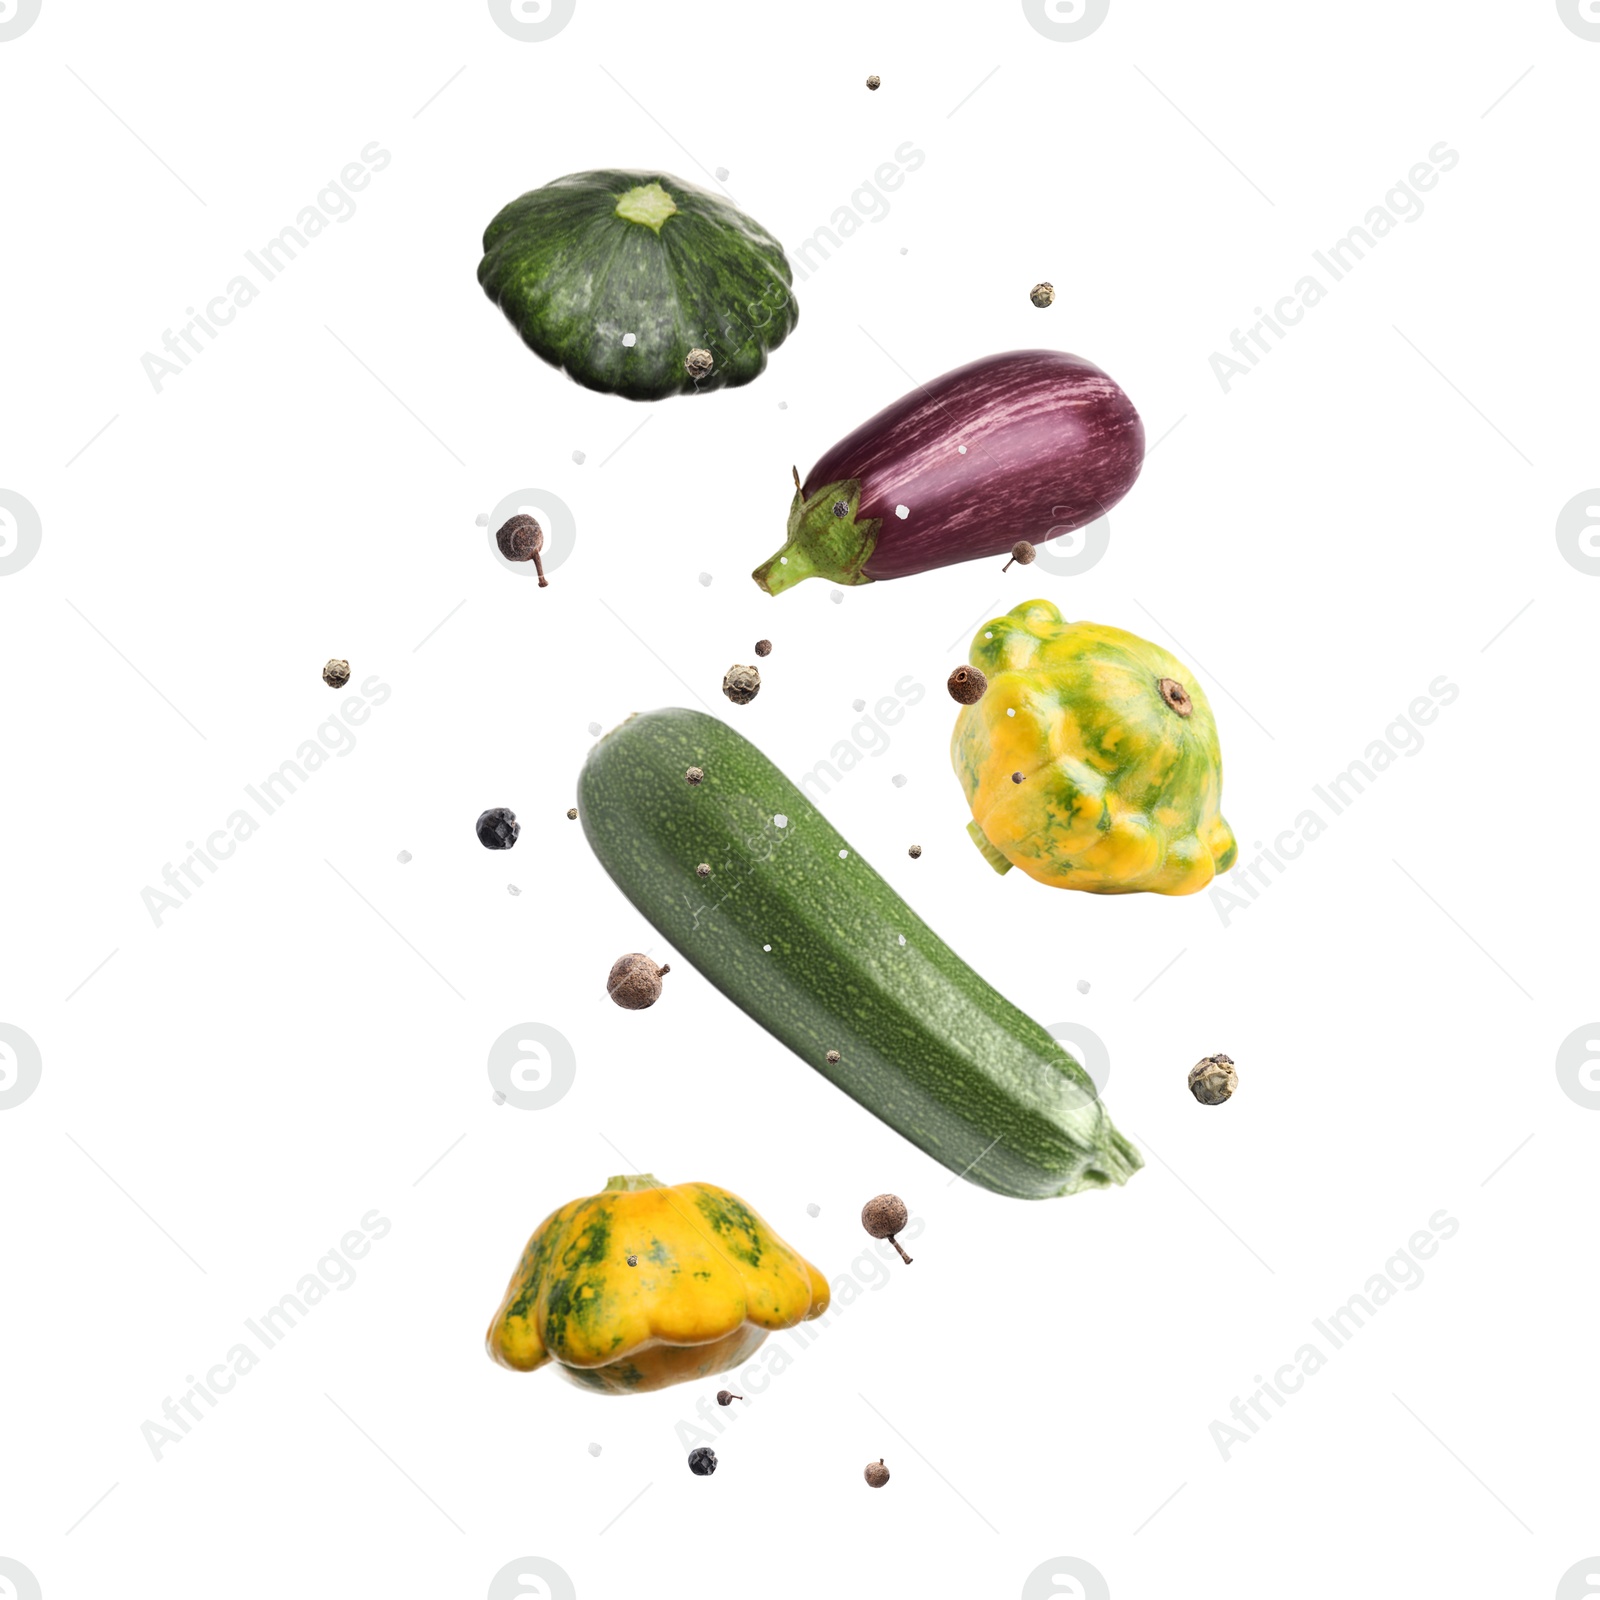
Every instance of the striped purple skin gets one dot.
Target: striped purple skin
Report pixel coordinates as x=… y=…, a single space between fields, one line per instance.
x=1052 y=443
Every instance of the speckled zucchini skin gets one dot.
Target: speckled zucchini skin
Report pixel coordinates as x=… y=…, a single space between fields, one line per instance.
x=924 y=1043
x=574 y=275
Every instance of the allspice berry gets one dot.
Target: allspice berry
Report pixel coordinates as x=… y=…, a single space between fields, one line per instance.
x=521 y=539
x=1042 y=295
x=1213 y=1080
x=336 y=674
x=763 y=647
x=703 y=870
x=1021 y=552
x=915 y=852
x=877 y=1474
x=832 y=1058
x=1016 y=777
x=635 y=981
x=741 y=684
x=694 y=776
x=725 y=1398
x=966 y=685
x=883 y=1216
x=874 y=81
x=698 y=363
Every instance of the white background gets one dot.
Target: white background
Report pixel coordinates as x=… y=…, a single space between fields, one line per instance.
x=1373 y=507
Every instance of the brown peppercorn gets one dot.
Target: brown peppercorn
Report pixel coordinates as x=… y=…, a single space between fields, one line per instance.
x=1042 y=295
x=877 y=1474
x=1016 y=777
x=741 y=684
x=1213 y=1080
x=703 y=870
x=1023 y=552
x=572 y=814
x=966 y=685
x=725 y=1397
x=915 y=852
x=763 y=647
x=698 y=363
x=635 y=981
x=336 y=674
x=874 y=81
x=694 y=776
x=832 y=1058
x=521 y=539
x=883 y=1216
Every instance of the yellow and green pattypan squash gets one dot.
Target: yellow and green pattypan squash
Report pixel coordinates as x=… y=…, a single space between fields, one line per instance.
x=1091 y=762
x=711 y=1281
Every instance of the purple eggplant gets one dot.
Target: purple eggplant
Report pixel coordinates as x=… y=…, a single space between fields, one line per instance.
x=1028 y=445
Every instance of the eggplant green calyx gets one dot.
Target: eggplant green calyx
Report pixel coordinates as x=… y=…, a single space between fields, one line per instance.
x=823 y=544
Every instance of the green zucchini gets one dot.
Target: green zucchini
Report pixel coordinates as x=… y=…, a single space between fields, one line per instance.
x=803 y=936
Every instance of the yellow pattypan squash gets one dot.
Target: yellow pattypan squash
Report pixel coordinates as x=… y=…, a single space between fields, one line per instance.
x=711 y=1280
x=1091 y=761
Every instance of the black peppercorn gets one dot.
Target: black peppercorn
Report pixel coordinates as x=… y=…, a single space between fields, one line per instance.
x=841 y=508
x=694 y=776
x=883 y=1216
x=521 y=539
x=1016 y=777
x=877 y=1474
x=498 y=829
x=702 y=1462
x=724 y=1398
x=635 y=981
x=763 y=647
x=336 y=674
x=966 y=685
x=741 y=684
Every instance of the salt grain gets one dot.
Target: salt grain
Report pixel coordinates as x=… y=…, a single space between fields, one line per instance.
x=813 y=1210
x=578 y=457
x=705 y=580
x=1083 y=986
x=630 y=340
x=403 y=857
x=902 y=512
